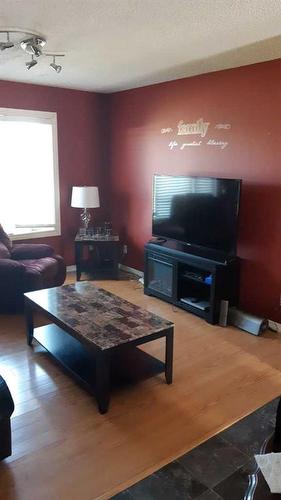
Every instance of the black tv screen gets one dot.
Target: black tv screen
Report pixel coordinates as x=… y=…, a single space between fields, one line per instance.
x=198 y=211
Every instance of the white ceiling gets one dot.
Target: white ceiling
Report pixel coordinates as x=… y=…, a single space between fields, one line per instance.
x=112 y=45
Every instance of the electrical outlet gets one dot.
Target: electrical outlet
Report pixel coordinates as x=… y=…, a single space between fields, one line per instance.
x=274 y=326
x=125 y=251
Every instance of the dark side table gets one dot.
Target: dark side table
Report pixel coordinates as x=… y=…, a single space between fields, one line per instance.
x=97 y=256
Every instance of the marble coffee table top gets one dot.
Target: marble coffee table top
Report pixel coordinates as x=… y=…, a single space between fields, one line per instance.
x=99 y=316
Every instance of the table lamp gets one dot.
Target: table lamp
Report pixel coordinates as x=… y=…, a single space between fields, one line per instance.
x=85 y=197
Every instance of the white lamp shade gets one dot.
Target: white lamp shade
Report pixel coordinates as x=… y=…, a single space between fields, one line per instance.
x=85 y=197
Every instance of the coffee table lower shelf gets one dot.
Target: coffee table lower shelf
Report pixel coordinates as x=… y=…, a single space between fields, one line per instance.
x=128 y=365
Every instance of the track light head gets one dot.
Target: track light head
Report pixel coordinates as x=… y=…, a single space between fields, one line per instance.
x=36 y=50
x=55 y=66
x=31 y=63
x=8 y=44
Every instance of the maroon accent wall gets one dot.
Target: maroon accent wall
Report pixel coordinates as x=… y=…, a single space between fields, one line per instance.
x=80 y=118
x=248 y=98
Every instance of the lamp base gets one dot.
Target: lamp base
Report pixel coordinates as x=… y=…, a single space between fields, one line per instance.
x=85 y=218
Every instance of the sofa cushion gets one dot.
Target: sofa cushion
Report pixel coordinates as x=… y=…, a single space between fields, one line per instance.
x=4 y=238
x=39 y=273
x=4 y=252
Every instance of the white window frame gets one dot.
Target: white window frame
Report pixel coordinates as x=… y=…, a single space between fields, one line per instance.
x=40 y=117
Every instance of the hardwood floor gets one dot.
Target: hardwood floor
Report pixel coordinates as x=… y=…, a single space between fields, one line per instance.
x=63 y=449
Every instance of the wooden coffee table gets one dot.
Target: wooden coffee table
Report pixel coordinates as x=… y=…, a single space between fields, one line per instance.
x=94 y=335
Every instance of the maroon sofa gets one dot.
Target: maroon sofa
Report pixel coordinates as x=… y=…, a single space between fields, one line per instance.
x=24 y=268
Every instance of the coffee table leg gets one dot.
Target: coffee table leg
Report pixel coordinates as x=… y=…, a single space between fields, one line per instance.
x=169 y=356
x=29 y=323
x=103 y=380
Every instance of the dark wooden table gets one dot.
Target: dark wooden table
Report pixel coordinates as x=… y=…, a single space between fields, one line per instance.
x=94 y=335
x=97 y=256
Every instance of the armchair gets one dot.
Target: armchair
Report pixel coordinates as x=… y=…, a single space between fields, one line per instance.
x=24 y=268
x=6 y=410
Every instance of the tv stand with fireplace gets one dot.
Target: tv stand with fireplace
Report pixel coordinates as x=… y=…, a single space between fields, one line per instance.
x=188 y=280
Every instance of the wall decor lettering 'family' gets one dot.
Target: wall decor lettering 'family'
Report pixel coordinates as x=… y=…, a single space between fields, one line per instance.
x=200 y=128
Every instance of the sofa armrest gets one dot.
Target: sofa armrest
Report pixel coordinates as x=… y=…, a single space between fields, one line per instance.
x=23 y=251
x=12 y=276
x=6 y=401
x=61 y=275
x=9 y=270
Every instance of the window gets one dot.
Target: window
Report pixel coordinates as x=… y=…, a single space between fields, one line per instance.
x=29 y=183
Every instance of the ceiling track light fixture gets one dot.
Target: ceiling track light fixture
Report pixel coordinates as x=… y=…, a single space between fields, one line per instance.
x=31 y=43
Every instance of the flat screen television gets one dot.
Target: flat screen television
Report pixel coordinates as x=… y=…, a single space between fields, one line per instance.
x=198 y=211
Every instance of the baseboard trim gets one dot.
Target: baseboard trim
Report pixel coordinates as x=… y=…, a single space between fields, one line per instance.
x=70 y=269
x=131 y=270
x=136 y=272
